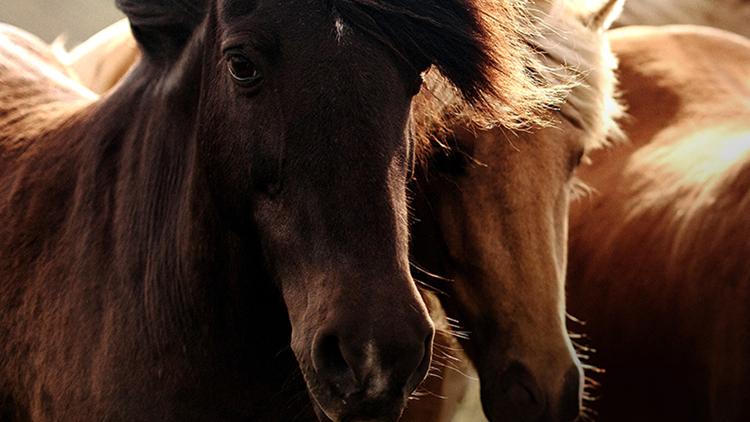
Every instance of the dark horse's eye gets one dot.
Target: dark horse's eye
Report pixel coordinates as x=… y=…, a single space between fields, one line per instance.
x=243 y=70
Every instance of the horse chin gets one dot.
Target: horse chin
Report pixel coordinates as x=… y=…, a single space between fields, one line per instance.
x=329 y=407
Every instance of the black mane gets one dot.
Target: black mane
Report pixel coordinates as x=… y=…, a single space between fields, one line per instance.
x=446 y=33
x=481 y=48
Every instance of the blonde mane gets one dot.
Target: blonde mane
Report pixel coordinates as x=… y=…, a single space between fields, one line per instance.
x=570 y=56
x=574 y=47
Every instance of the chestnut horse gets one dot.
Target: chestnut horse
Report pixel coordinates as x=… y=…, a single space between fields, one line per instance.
x=659 y=251
x=478 y=222
x=732 y=15
x=225 y=233
x=492 y=217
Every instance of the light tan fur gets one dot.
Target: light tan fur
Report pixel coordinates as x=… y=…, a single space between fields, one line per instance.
x=38 y=93
x=102 y=60
x=659 y=251
x=731 y=15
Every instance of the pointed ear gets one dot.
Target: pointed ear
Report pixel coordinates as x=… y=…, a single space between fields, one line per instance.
x=162 y=27
x=602 y=18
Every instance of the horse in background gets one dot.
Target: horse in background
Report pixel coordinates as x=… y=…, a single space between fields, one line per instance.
x=102 y=60
x=191 y=245
x=731 y=15
x=658 y=263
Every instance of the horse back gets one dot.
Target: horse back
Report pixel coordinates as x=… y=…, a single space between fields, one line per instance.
x=37 y=91
x=687 y=74
x=661 y=243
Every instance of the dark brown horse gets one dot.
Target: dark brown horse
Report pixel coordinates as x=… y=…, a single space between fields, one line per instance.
x=233 y=215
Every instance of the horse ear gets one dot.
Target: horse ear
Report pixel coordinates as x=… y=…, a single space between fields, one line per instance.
x=162 y=27
x=602 y=18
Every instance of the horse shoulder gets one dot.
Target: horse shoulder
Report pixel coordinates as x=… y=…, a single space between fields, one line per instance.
x=37 y=93
x=698 y=65
x=730 y=15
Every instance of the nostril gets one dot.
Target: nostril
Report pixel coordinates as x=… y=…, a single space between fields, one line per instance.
x=331 y=364
x=515 y=396
x=327 y=356
x=521 y=395
x=424 y=366
x=420 y=373
x=388 y=363
x=570 y=401
x=525 y=400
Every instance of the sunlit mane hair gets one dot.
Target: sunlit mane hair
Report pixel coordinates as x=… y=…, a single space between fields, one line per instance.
x=562 y=51
x=478 y=51
x=572 y=44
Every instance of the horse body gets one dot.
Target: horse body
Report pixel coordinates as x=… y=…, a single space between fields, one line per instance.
x=730 y=15
x=658 y=252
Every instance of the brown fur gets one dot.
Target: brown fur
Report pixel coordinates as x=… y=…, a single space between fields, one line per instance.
x=659 y=250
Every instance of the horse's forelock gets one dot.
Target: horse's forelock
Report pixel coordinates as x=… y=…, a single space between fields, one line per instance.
x=477 y=46
x=163 y=12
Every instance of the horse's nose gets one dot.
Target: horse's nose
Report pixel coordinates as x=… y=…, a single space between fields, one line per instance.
x=375 y=367
x=518 y=397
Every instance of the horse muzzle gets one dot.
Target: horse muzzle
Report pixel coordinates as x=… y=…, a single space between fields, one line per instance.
x=516 y=396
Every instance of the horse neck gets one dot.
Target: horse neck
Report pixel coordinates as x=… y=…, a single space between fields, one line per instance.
x=187 y=257
x=141 y=206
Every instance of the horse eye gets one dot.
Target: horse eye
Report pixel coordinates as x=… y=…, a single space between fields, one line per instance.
x=243 y=70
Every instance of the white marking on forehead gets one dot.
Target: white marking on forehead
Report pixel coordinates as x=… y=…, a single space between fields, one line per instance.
x=378 y=381
x=340 y=28
x=370 y=354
